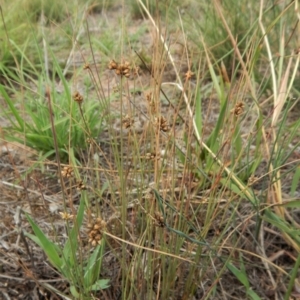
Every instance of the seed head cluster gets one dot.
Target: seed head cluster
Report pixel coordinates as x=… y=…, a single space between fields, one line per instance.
x=86 y=67
x=67 y=172
x=238 y=109
x=66 y=216
x=78 y=97
x=81 y=186
x=95 y=231
x=152 y=156
x=189 y=74
x=127 y=122
x=252 y=179
x=159 y=219
x=122 y=69
x=162 y=124
x=151 y=102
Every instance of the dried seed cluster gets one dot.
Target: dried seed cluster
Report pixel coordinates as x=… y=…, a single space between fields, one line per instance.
x=78 y=97
x=81 y=186
x=66 y=216
x=238 y=109
x=95 y=231
x=89 y=141
x=152 y=156
x=67 y=172
x=252 y=179
x=159 y=219
x=127 y=122
x=151 y=102
x=120 y=69
x=86 y=66
x=148 y=194
x=189 y=74
x=148 y=97
x=162 y=124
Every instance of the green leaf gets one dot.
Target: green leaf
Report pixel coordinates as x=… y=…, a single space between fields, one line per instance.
x=239 y=275
x=198 y=111
x=93 y=266
x=34 y=238
x=292 y=204
x=253 y=295
x=295 y=181
x=49 y=248
x=242 y=277
x=282 y=225
x=101 y=284
x=12 y=108
x=74 y=291
x=256 y=162
x=238 y=141
x=72 y=240
x=216 y=80
x=213 y=141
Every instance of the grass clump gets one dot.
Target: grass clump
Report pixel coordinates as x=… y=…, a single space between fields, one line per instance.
x=66 y=259
x=34 y=17
x=63 y=129
x=194 y=171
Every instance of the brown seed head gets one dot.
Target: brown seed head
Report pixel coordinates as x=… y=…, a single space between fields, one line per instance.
x=238 y=109
x=95 y=231
x=159 y=220
x=127 y=122
x=252 y=179
x=136 y=71
x=189 y=74
x=149 y=96
x=66 y=216
x=81 y=186
x=162 y=124
x=122 y=69
x=86 y=67
x=152 y=156
x=78 y=97
x=67 y=172
x=112 y=65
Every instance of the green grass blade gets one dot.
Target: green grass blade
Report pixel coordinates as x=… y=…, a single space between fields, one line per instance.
x=292 y=204
x=72 y=240
x=295 y=181
x=12 y=108
x=294 y=274
x=94 y=265
x=100 y=284
x=49 y=248
x=282 y=225
x=253 y=295
x=198 y=110
x=240 y=275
